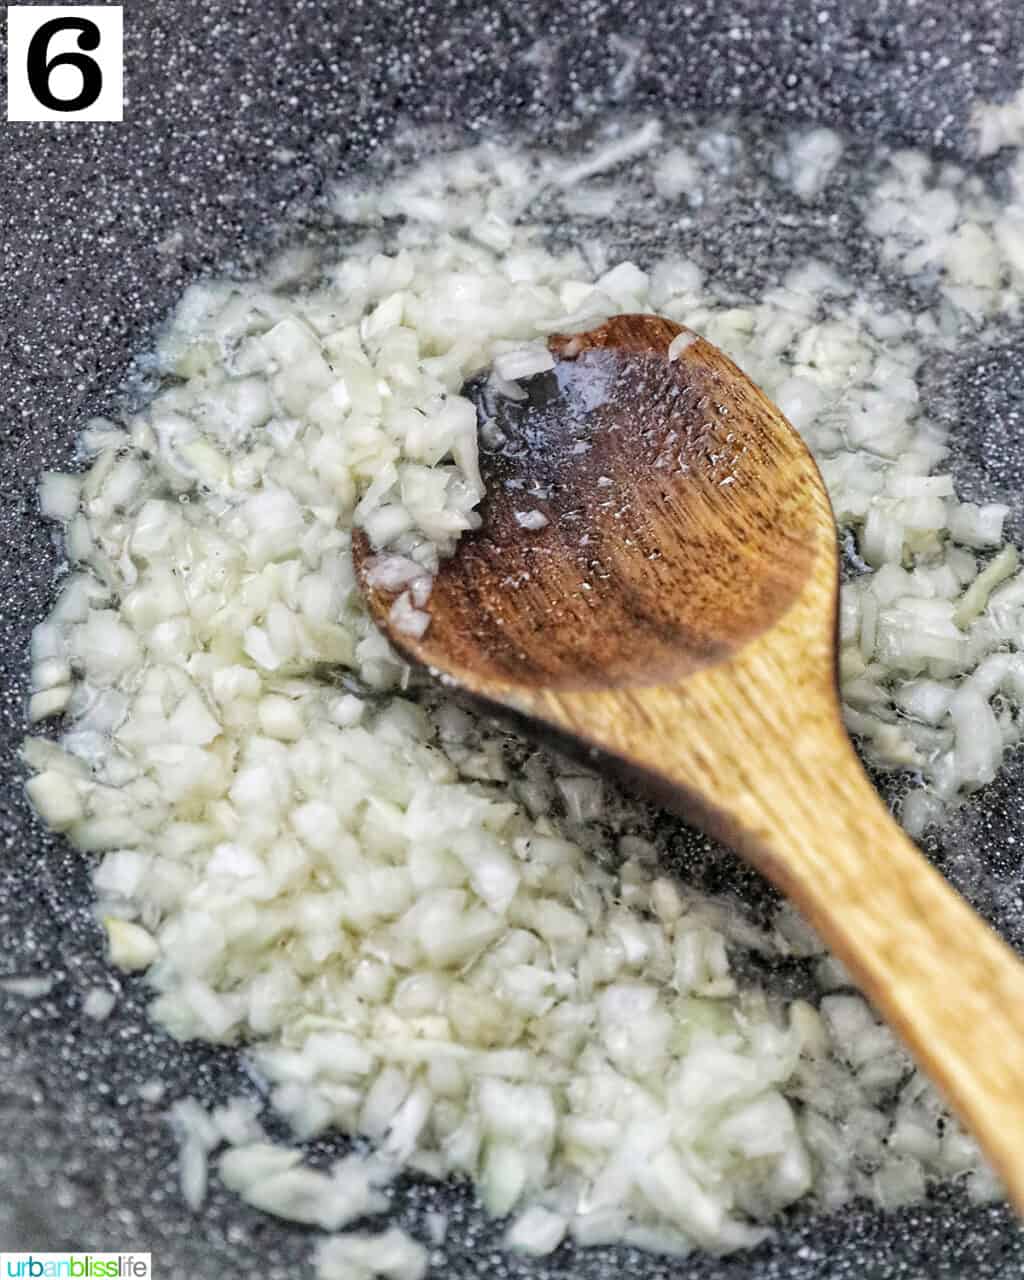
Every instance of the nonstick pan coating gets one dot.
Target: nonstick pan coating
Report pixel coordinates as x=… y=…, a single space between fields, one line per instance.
x=237 y=116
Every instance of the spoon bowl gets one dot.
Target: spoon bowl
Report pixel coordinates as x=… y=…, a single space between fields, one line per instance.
x=619 y=548
x=653 y=587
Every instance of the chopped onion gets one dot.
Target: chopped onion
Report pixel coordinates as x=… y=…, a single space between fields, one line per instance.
x=524 y=362
x=679 y=344
x=31 y=988
x=421 y=931
x=131 y=947
x=99 y=1003
x=537 y=1231
x=405 y=617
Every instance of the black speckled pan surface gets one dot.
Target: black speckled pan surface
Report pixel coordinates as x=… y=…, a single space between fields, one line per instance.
x=238 y=114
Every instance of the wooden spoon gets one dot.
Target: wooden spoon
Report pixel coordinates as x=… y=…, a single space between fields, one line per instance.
x=675 y=620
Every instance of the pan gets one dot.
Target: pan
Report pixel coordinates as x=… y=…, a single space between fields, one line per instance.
x=238 y=117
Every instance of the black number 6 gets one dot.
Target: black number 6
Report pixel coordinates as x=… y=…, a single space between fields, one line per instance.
x=40 y=71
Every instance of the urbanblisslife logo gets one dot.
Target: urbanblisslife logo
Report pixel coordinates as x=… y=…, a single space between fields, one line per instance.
x=76 y=1266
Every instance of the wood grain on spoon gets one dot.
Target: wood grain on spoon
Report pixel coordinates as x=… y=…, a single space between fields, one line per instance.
x=675 y=620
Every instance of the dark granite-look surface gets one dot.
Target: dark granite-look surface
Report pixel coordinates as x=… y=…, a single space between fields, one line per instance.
x=238 y=114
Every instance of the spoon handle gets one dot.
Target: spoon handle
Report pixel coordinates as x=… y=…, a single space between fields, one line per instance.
x=950 y=987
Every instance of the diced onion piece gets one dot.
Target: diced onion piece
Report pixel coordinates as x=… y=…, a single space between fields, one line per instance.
x=56 y=799
x=537 y=1231
x=59 y=495
x=976 y=597
x=131 y=947
x=525 y=362
x=679 y=344
x=405 y=617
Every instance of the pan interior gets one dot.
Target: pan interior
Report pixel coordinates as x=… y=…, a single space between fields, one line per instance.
x=47 y=906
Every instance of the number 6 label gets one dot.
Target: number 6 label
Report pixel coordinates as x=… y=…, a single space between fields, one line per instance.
x=65 y=62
